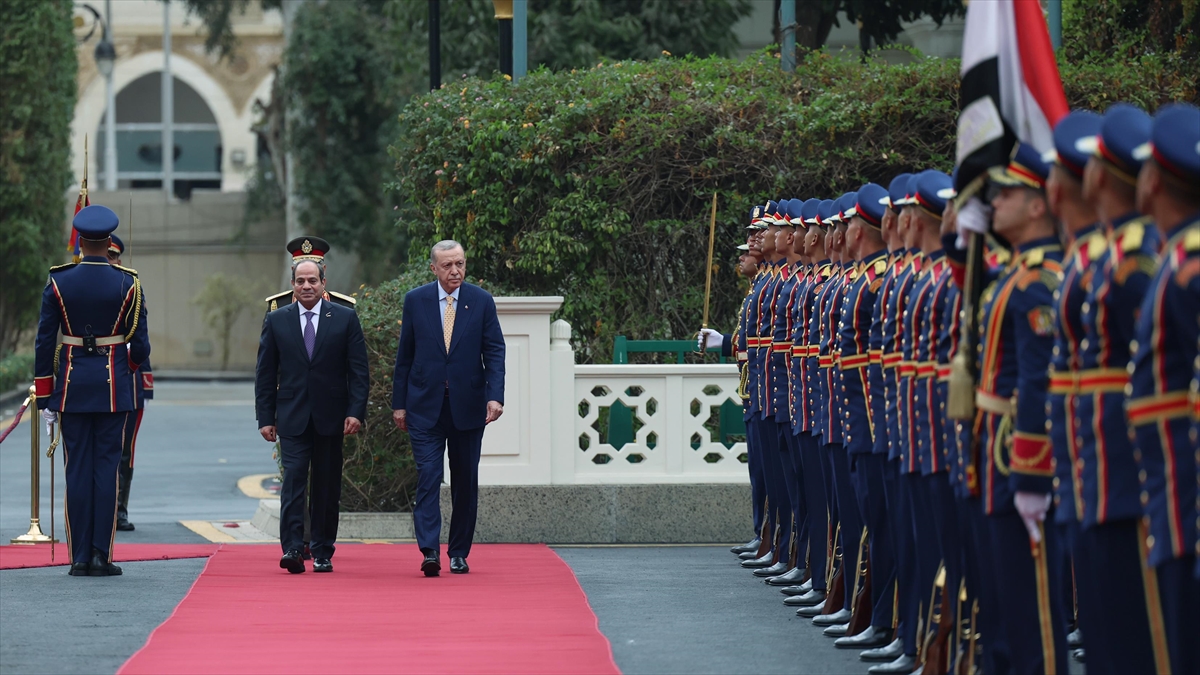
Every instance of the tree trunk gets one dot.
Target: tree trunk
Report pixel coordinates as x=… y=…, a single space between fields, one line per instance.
x=813 y=23
x=292 y=199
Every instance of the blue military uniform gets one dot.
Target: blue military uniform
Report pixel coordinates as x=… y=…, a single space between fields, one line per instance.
x=143 y=381
x=89 y=381
x=861 y=426
x=1158 y=407
x=1017 y=336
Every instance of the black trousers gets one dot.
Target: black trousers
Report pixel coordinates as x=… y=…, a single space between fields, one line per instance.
x=128 y=451
x=324 y=455
x=91 y=452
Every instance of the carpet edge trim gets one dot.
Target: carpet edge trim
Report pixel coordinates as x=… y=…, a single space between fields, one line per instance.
x=587 y=601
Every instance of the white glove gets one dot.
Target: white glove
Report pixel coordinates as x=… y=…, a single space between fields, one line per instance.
x=975 y=216
x=1032 y=506
x=709 y=338
x=51 y=417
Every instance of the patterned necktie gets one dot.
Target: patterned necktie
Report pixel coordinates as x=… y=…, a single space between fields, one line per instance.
x=448 y=323
x=310 y=334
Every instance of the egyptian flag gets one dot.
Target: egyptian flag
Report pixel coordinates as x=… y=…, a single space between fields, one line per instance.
x=82 y=201
x=1010 y=91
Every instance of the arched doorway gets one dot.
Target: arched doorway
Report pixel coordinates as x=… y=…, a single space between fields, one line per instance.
x=139 y=138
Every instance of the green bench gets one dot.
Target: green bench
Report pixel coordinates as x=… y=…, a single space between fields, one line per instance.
x=620 y=416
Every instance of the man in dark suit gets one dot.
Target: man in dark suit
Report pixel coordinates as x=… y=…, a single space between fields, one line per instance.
x=310 y=389
x=448 y=384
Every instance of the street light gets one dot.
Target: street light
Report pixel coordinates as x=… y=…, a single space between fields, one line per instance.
x=106 y=56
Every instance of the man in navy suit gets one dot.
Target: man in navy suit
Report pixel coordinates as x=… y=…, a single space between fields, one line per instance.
x=448 y=384
x=310 y=390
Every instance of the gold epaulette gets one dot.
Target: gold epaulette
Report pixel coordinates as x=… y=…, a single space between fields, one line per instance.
x=1191 y=240
x=1096 y=245
x=277 y=296
x=64 y=266
x=1132 y=234
x=273 y=300
x=128 y=270
x=881 y=266
x=343 y=297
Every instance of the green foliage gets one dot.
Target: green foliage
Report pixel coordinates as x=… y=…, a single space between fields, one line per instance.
x=596 y=184
x=563 y=34
x=15 y=370
x=342 y=104
x=37 y=100
x=222 y=300
x=1119 y=30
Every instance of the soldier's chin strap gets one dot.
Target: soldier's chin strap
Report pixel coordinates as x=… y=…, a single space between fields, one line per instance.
x=54 y=440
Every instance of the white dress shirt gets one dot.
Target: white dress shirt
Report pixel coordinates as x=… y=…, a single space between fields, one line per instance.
x=316 y=318
x=442 y=295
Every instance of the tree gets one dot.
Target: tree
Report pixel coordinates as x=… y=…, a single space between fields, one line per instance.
x=221 y=301
x=38 y=68
x=879 y=19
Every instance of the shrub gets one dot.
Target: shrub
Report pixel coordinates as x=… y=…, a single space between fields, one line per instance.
x=596 y=184
x=15 y=370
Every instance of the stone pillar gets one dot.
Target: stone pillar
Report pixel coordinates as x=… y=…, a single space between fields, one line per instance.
x=563 y=412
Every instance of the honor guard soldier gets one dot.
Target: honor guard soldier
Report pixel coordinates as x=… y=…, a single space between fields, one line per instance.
x=1069 y=431
x=865 y=243
x=762 y=421
x=830 y=416
x=897 y=371
x=88 y=382
x=736 y=345
x=883 y=544
x=1016 y=341
x=1168 y=189
x=936 y=524
x=314 y=249
x=143 y=381
x=805 y=451
x=781 y=390
x=1112 y=537
x=811 y=595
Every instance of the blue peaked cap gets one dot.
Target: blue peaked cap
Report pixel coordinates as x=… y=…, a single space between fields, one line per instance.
x=95 y=222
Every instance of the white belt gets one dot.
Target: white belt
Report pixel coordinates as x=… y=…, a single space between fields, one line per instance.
x=107 y=341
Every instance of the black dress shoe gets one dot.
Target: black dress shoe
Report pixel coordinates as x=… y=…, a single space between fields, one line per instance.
x=869 y=638
x=431 y=566
x=1079 y=655
x=748 y=547
x=797 y=590
x=788 y=578
x=810 y=612
x=1075 y=638
x=813 y=597
x=772 y=571
x=458 y=565
x=78 y=570
x=893 y=650
x=100 y=567
x=322 y=565
x=903 y=664
x=748 y=555
x=838 y=617
x=292 y=562
x=837 y=631
x=755 y=563
x=124 y=525
x=307 y=554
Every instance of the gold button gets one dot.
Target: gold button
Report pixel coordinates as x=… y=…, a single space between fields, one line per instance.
x=1142 y=476
x=1056 y=482
x=1149 y=541
x=1145 y=498
x=1137 y=455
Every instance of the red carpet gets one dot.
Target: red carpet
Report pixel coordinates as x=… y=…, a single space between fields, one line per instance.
x=15 y=557
x=520 y=610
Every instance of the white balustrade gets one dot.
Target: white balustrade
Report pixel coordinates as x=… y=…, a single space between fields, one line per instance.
x=554 y=430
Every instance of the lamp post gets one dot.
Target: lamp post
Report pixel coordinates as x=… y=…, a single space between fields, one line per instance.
x=504 y=15
x=106 y=56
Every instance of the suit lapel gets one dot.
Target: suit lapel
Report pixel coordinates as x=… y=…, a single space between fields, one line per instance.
x=462 y=315
x=324 y=325
x=435 y=310
x=292 y=317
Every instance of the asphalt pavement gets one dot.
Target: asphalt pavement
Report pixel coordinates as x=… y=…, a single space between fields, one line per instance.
x=197 y=439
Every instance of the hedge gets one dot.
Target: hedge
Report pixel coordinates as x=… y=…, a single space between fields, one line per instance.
x=596 y=185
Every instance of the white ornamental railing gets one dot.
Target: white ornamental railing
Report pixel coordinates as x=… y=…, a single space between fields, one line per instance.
x=557 y=426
